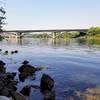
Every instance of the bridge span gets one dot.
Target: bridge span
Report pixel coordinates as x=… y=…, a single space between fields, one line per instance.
x=49 y=30
x=54 y=31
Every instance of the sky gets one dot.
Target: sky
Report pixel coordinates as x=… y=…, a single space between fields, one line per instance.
x=52 y=14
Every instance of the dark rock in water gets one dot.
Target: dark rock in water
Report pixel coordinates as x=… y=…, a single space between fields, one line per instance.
x=12 y=52
x=2 y=63
x=16 y=51
x=22 y=76
x=49 y=95
x=17 y=96
x=47 y=83
x=29 y=69
x=6 y=52
x=26 y=91
x=2 y=68
x=0 y=50
x=7 y=84
x=25 y=62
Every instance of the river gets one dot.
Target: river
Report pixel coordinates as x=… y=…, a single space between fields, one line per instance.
x=72 y=63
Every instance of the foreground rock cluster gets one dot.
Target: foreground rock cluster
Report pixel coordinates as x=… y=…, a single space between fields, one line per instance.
x=8 y=89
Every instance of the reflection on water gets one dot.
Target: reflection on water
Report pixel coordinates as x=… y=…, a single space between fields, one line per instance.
x=72 y=63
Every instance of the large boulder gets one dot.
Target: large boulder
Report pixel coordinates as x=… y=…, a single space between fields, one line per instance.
x=26 y=70
x=47 y=83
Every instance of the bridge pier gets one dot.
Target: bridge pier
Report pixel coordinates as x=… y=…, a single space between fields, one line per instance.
x=54 y=35
x=19 y=35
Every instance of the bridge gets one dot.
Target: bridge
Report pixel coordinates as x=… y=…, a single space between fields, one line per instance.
x=54 y=31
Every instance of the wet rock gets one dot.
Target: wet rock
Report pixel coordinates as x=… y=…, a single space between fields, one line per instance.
x=18 y=96
x=16 y=51
x=2 y=63
x=26 y=70
x=49 y=95
x=25 y=62
x=0 y=50
x=29 y=69
x=26 y=91
x=4 y=98
x=2 y=68
x=12 y=52
x=72 y=94
x=47 y=83
x=6 y=52
x=91 y=94
x=7 y=84
x=39 y=68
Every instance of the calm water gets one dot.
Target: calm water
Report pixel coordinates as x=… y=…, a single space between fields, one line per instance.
x=71 y=63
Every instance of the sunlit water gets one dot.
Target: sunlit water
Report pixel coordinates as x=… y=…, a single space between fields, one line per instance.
x=71 y=63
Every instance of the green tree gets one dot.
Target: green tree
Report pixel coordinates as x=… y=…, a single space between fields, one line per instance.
x=2 y=18
x=94 y=31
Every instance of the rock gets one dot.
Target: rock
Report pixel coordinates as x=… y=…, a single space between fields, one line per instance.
x=47 y=83
x=39 y=68
x=6 y=52
x=18 y=96
x=16 y=51
x=2 y=63
x=2 y=68
x=26 y=70
x=91 y=94
x=72 y=94
x=25 y=62
x=0 y=50
x=29 y=69
x=49 y=95
x=26 y=91
x=4 y=98
x=7 y=84
x=12 y=52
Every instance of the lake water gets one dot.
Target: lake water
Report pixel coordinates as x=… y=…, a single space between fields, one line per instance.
x=71 y=63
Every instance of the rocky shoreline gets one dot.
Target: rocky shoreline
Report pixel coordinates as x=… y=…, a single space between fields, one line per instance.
x=8 y=83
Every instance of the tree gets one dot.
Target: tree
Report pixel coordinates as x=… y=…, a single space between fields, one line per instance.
x=2 y=18
x=94 y=31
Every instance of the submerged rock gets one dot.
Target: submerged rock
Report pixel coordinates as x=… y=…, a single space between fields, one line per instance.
x=91 y=94
x=47 y=83
x=49 y=95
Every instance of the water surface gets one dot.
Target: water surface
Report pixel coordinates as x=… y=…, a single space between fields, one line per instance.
x=71 y=63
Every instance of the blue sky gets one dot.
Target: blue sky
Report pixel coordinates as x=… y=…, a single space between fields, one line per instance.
x=52 y=14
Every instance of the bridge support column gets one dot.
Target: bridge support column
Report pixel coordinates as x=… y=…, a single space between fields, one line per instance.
x=54 y=35
x=19 y=35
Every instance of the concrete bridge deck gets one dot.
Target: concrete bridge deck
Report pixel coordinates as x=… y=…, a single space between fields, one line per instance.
x=48 y=30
